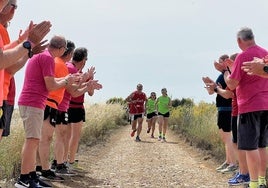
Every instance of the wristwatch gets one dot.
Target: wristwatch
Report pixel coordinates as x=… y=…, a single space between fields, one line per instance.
x=28 y=46
x=265 y=68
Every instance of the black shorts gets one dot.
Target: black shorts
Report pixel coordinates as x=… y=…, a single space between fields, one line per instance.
x=252 y=130
x=234 y=128
x=8 y=111
x=136 y=116
x=224 y=120
x=164 y=115
x=76 y=115
x=3 y=118
x=51 y=113
x=62 y=118
x=151 y=115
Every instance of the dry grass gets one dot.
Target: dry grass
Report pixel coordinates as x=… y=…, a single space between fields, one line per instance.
x=100 y=119
x=198 y=124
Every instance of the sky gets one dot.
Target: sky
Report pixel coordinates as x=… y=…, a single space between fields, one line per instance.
x=159 y=43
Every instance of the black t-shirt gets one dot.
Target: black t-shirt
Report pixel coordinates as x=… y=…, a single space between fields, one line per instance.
x=220 y=101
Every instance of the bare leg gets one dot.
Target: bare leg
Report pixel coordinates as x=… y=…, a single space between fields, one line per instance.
x=59 y=148
x=44 y=145
x=28 y=157
x=74 y=141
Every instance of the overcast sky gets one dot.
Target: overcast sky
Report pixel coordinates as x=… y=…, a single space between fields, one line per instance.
x=159 y=43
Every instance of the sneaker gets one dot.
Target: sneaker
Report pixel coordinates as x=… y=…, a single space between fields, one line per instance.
x=148 y=130
x=240 y=179
x=64 y=172
x=229 y=169
x=38 y=170
x=42 y=184
x=159 y=138
x=138 y=139
x=234 y=177
x=152 y=136
x=163 y=139
x=49 y=175
x=222 y=166
x=53 y=165
x=75 y=167
x=133 y=133
x=25 y=184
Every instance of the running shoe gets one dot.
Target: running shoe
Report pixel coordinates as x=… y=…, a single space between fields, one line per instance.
x=152 y=136
x=64 y=171
x=222 y=166
x=240 y=179
x=163 y=139
x=229 y=169
x=25 y=184
x=49 y=175
x=53 y=165
x=75 y=166
x=133 y=133
x=38 y=170
x=40 y=183
x=138 y=139
x=159 y=138
x=235 y=175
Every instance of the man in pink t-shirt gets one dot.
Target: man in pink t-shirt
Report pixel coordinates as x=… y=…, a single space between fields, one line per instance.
x=252 y=94
x=39 y=80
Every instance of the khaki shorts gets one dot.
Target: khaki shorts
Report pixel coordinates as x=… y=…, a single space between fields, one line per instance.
x=32 y=121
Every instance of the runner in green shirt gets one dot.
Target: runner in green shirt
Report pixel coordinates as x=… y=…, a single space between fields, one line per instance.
x=151 y=113
x=163 y=105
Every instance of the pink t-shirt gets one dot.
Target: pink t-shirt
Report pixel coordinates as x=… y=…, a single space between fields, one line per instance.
x=252 y=91
x=64 y=105
x=34 y=92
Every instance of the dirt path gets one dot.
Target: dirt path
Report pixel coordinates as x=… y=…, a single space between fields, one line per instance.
x=122 y=162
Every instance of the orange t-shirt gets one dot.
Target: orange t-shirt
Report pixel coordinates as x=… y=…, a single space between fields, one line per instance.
x=4 y=40
x=56 y=96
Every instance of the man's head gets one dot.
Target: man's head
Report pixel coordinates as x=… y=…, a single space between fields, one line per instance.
x=139 y=87
x=80 y=57
x=57 y=45
x=245 y=38
x=69 y=51
x=223 y=57
x=3 y=3
x=8 y=12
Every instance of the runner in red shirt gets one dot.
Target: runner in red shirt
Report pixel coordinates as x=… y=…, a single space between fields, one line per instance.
x=137 y=101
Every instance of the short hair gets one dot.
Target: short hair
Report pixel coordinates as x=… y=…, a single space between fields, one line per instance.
x=223 y=57
x=233 y=56
x=164 y=90
x=245 y=34
x=57 y=42
x=80 y=54
x=139 y=85
x=70 y=47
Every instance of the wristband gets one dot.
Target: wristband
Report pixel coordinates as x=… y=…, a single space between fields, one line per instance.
x=66 y=81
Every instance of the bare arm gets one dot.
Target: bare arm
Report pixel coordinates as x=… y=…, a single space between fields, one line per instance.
x=231 y=83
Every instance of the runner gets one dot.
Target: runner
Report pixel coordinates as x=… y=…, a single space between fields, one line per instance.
x=151 y=113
